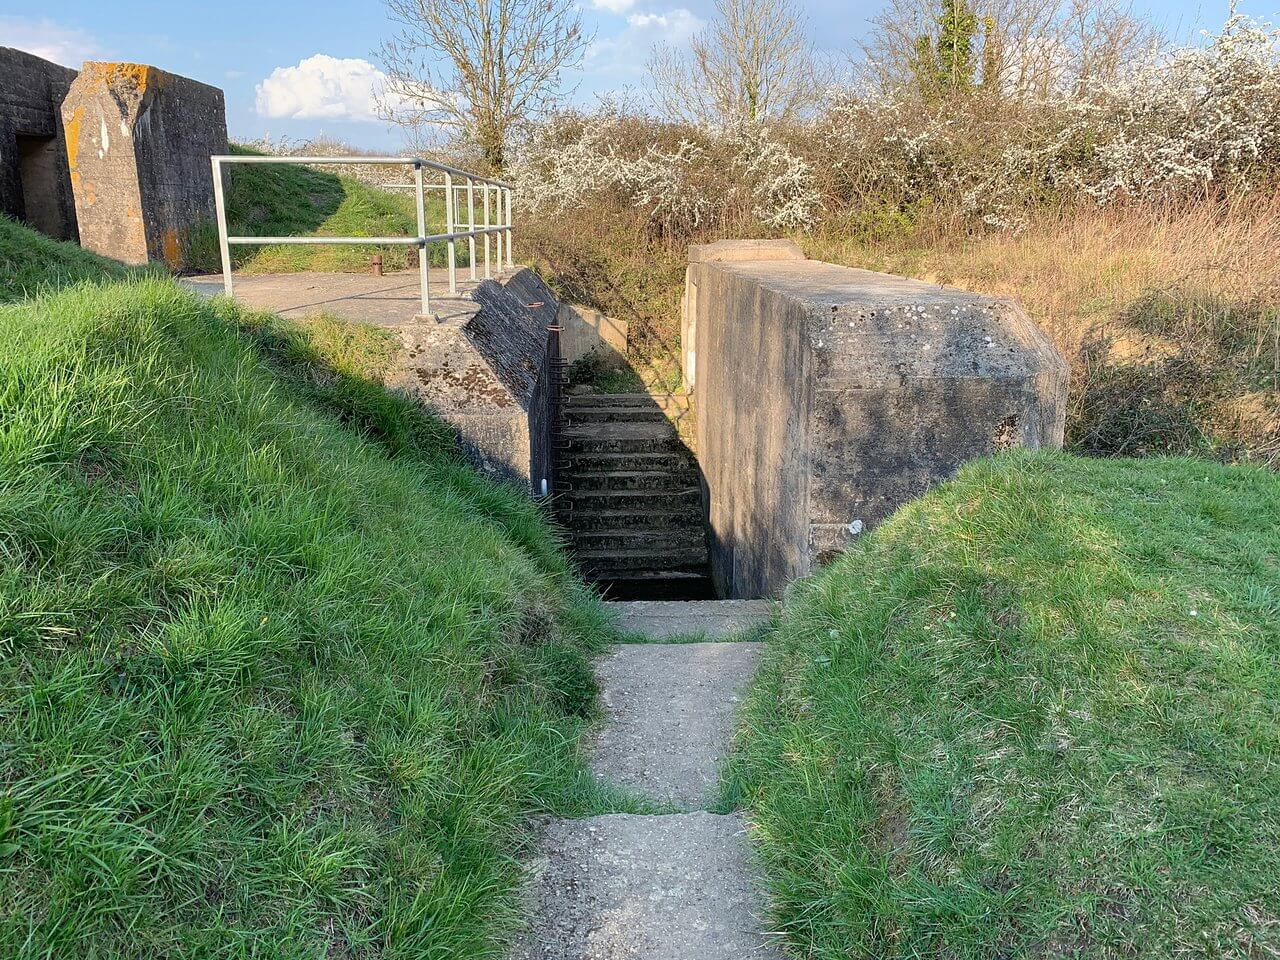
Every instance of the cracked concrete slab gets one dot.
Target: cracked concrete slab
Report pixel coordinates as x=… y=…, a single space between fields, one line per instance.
x=670 y=716
x=666 y=618
x=624 y=887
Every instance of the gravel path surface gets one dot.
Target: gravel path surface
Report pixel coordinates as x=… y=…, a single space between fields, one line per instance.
x=670 y=716
x=659 y=888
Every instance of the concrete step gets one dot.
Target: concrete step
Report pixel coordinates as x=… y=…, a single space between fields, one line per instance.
x=619 y=539
x=667 y=402
x=653 y=480
x=716 y=618
x=586 y=519
x=679 y=585
x=594 y=461
x=598 y=499
x=627 y=438
x=614 y=414
x=605 y=564
x=669 y=710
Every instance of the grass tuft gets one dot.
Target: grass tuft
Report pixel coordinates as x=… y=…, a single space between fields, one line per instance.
x=31 y=263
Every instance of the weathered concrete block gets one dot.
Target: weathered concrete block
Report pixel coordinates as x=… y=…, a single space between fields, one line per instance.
x=138 y=146
x=35 y=184
x=586 y=332
x=829 y=396
x=486 y=371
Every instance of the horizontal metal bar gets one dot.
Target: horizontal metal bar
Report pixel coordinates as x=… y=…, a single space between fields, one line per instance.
x=272 y=158
x=356 y=161
x=367 y=241
x=362 y=241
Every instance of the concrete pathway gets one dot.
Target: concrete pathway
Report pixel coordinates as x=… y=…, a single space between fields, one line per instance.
x=392 y=300
x=666 y=618
x=672 y=887
x=669 y=711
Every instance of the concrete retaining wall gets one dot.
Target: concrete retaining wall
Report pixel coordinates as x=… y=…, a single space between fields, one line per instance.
x=589 y=333
x=487 y=371
x=828 y=396
x=35 y=184
x=138 y=146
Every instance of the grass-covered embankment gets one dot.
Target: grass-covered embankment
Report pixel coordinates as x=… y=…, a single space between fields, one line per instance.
x=1037 y=713
x=30 y=263
x=278 y=676
x=275 y=200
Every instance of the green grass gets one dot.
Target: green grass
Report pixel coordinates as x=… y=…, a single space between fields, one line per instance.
x=288 y=200
x=279 y=676
x=1037 y=713
x=31 y=263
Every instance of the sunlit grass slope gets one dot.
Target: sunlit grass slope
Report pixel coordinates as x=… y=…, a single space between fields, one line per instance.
x=31 y=262
x=268 y=200
x=278 y=677
x=1036 y=714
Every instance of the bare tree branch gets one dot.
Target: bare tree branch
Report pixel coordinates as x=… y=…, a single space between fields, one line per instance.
x=479 y=68
x=752 y=63
x=1031 y=49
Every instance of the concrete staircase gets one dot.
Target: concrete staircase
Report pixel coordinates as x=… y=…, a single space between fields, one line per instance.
x=631 y=497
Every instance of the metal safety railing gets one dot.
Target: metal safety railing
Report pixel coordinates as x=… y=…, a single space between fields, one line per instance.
x=458 y=186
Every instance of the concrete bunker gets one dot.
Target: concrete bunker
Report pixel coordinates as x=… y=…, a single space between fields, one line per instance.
x=828 y=396
x=138 y=147
x=35 y=182
x=115 y=155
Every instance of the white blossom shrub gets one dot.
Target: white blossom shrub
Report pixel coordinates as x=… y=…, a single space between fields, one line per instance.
x=1207 y=115
x=1181 y=124
x=683 y=180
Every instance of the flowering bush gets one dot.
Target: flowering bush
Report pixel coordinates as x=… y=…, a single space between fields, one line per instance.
x=1205 y=116
x=683 y=180
x=1200 y=118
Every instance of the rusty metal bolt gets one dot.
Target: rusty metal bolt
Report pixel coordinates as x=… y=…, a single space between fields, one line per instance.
x=376 y=262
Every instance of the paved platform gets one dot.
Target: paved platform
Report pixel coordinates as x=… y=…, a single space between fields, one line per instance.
x=388 y=301
x=675 y=887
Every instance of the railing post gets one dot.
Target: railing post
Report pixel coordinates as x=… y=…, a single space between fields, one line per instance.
x=423 y=267
x=220 y=205
x=450 y=227
x=510 y=228
x=471 y=224
x=499 y=223
x=486 y=230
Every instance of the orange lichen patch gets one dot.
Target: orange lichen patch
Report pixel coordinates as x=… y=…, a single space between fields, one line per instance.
x=136 y=77
x=172 y=249
x=72 y=132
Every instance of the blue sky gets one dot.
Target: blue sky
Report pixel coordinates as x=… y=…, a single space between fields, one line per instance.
x=299 y=68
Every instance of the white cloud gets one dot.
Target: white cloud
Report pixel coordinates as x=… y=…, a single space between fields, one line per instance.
x=48 y=39
x=675 y=26
x=321 y=86
x=613 y=6
x=622 y=58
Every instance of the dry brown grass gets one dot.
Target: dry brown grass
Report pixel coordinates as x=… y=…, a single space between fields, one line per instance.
x=1170 y=317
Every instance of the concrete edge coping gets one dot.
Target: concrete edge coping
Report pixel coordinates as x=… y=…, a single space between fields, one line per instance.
x=730 y=250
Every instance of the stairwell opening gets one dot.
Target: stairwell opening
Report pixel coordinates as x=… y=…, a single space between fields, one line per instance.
x=631 y=493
